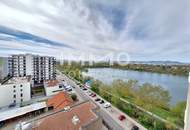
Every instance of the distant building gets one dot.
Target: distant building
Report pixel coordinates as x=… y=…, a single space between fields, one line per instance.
x=52 y=87
x=79 y=117
x=187 y=112
x=3 y=67
x=40 y=68
x=15 y=90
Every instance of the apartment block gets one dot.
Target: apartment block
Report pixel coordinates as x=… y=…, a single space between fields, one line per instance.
x=3 y=67
x=15 y=90
x=40 y=68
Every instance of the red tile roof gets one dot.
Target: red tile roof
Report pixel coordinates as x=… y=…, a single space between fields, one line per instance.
x=60 y=101
x=64 y=120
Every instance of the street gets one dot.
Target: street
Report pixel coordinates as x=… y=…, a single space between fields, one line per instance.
x=109 y=115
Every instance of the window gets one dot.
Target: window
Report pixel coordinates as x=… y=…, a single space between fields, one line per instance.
x=21 y=85
x=21 y=100
x=14 y=91
x=14 y=101
x=21 y=90
x=14 y=86
x=14 y=96
x=60 y=86
x=21 y=95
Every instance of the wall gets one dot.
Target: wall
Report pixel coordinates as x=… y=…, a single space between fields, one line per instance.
x=49 y=90
x=7 y=93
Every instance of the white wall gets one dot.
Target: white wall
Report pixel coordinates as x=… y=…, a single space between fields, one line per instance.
x=7 y=93
x=29 y=64
x=50 y=90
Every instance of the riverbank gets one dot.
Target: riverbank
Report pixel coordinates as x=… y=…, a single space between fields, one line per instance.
x=181 y=70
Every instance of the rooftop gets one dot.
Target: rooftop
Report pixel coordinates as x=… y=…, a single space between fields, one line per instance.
x=75 y=118
x=16 y=80
x=51 y=83
x=60 y=101
x=15 y=112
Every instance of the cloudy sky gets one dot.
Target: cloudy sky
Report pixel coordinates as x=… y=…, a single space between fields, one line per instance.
x=73 y=29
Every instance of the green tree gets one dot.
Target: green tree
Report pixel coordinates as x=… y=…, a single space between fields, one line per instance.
x=179 y=109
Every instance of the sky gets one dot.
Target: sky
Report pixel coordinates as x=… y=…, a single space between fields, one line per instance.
x=141 y=30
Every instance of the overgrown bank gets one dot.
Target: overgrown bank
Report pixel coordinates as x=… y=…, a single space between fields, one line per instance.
x=151 y=98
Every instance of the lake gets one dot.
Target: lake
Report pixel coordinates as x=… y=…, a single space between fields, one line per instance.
x=176 y=85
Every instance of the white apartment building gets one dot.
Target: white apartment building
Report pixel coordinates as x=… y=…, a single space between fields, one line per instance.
x=15 y=90
x=40 y=68
x=187 y=112
x=3 y=67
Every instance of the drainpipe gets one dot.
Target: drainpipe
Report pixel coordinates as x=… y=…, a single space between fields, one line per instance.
x=187 y=111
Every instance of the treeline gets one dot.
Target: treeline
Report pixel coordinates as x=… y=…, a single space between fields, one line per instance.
x=149 y=97
x=182 y=70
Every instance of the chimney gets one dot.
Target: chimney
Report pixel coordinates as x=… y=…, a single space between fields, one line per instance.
x=187 y=111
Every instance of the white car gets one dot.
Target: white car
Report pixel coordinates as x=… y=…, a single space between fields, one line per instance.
x=107 y=105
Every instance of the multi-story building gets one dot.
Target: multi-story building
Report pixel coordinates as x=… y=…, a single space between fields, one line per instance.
x=15 y=90
x=40 y=68
x=3 y=67
x=187 y=112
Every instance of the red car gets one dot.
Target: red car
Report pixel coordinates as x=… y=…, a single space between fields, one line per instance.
x=121 y=117
x=94 y=95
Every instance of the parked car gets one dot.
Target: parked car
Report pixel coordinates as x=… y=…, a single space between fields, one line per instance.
x=94 y=95
x=97 y=99
x=84 y=89
x=91 y=94
x=107 y=105
x=102 y=102
x=121 y=117
x=135 y=128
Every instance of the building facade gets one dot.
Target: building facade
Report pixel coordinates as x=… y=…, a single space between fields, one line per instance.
x=40 y=68
x=3 y=67
x=15 y=90
x=52 y=87
x=187 y=112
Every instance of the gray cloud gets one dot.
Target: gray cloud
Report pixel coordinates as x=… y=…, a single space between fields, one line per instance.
x=146 y=29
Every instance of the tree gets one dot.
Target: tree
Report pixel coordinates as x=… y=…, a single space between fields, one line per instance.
x=74 y=97
x=179 y=109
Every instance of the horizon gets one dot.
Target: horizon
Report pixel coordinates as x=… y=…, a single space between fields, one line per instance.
x=69 y=29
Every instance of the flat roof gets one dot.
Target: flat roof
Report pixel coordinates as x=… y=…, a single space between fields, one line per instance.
x=73 y=119
x=15 y=80
x=9 y=114
x=51 y=83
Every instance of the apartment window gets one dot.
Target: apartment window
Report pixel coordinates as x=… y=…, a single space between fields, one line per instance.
x=21 y=95
x=21 y=100
x=14 y=91
x=14 y=86
x=21 y=85
x=14 y=96
x=21 y=90
x=14 y=101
